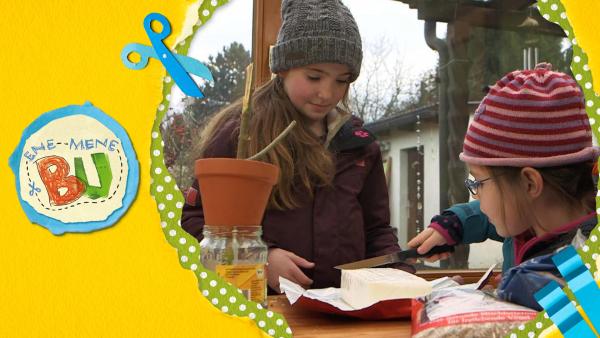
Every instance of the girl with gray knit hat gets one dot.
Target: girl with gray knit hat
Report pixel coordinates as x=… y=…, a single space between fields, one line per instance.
x=529 y=150
x=330 y=205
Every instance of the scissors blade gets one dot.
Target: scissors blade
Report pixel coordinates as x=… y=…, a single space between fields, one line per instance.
x=181 y=77
x=195 y=67
x=395 y=257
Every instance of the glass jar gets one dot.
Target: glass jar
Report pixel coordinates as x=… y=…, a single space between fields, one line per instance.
x=239 y=255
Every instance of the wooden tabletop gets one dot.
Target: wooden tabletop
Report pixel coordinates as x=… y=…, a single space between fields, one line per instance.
x=306 y=323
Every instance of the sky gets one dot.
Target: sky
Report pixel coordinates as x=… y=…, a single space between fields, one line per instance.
x=386 y=22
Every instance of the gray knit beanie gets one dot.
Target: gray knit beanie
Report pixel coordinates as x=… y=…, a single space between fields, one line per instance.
x=316 y=31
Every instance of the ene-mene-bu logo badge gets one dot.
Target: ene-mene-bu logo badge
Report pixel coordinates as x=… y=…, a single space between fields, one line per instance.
x=75 y=170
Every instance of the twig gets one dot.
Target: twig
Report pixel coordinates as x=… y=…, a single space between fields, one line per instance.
x=274 y=142
x=242 y=145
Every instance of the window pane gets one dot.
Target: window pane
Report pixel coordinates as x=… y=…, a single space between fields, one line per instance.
x=225 y=48
x=405 y=87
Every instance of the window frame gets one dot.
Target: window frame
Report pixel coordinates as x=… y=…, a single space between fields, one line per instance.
x=266 y=23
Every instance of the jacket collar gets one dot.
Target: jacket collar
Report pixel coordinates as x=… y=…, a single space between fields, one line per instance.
x=525 y=242
x=346 y=132
x=335 y=121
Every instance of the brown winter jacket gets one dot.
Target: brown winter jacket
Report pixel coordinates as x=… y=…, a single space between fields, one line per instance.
x=343 y=223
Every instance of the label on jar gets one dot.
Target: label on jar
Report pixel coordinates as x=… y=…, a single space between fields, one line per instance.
x=249 y=278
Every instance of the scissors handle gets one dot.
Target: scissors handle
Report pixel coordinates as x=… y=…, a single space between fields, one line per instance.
x=145 y=52
x=166 y=26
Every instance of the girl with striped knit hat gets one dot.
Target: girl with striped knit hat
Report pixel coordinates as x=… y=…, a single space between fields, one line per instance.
x=529 y=152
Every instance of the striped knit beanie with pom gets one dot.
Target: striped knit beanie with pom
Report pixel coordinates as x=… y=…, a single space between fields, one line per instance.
x=530 y=118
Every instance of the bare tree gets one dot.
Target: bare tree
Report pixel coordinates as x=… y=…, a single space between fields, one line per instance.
x=181 y=129
x=383 y=84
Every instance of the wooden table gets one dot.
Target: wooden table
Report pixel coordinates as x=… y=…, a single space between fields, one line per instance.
x=306 y=323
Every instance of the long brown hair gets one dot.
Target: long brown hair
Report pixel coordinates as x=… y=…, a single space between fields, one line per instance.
x=303 y=161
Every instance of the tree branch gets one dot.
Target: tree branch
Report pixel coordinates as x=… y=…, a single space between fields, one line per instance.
x=242 y=145
x=274 y=142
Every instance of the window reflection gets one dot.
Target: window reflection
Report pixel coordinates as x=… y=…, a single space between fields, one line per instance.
x=473 y=43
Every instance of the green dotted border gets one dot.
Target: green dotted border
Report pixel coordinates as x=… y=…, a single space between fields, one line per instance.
x=554 y=11
x=228 y=298
x=169 y=199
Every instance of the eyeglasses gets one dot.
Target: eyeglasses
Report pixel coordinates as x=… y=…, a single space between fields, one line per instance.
x=473 y=185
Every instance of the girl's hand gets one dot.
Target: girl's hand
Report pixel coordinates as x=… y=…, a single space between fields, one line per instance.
x=286 y=264
x=426 y=240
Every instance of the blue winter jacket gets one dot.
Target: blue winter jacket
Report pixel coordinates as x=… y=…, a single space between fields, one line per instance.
x=477 y=228
x=519 y=283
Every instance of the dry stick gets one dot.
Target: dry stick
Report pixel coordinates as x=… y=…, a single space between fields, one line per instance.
x=242 y=145
x=274 y=142
x=245 y=117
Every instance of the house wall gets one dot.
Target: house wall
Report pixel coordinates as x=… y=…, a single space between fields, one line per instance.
x=399 y=142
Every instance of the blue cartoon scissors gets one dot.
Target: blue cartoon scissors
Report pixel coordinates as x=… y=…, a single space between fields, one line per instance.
x=178 y=66
x=34 y=189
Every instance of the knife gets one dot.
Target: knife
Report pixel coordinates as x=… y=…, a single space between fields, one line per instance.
x=395 y=257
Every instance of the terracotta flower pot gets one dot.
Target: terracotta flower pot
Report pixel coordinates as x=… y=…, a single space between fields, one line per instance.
x=234 y=192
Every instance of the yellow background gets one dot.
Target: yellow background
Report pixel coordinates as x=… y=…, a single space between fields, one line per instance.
x=119 y=282
x=582 y=15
